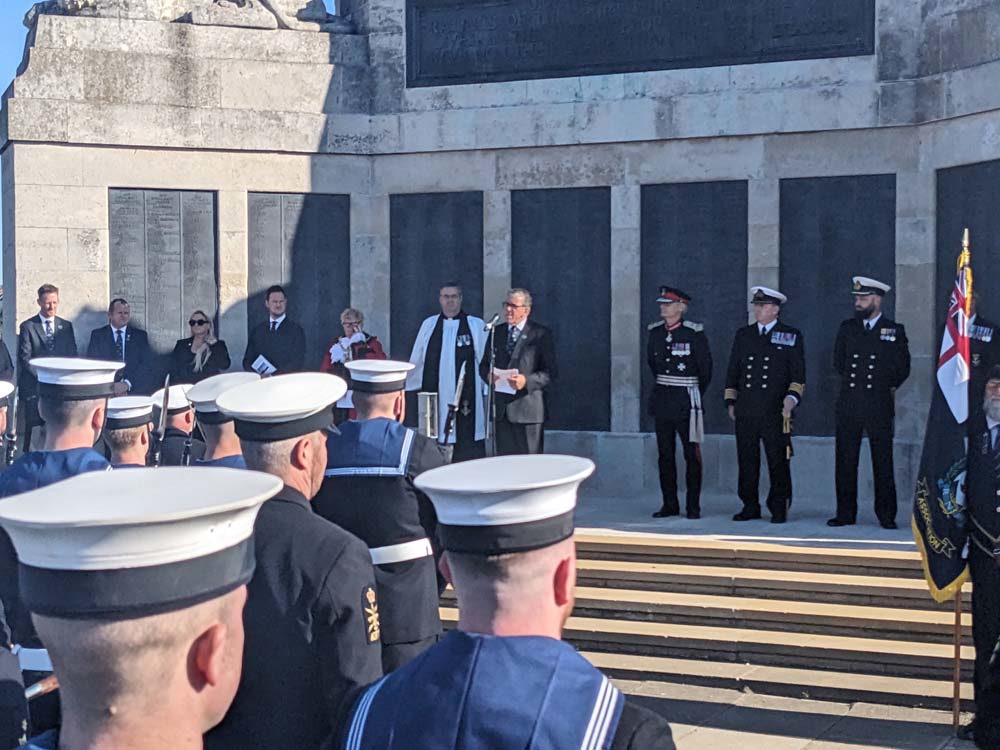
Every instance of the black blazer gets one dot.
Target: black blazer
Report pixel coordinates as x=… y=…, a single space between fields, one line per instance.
x=284 y=348
x=138 y=368
x=182 y=362
x=982 y=489
x=31 y=344
x=534 y=357
x=6 y=364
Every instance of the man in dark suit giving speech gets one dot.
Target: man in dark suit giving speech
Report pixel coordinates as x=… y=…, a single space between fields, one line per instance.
x=524 y=366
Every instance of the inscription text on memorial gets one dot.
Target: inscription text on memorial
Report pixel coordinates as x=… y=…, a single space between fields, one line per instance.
x=479 y=41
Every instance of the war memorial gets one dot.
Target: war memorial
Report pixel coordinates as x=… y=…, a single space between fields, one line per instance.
x=188 y=154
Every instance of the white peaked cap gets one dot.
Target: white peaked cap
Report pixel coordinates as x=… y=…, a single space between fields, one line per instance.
x=6 y=388
x=71 y=379
x=123 y=544
x=177 y=400
x=284 y=406
x=866 y=285
x=506 y=503
x=378 y=375
x=129 y=411
x=764 y=291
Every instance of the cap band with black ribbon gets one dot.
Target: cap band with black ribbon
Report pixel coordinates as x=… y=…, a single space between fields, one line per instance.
x=62 y=392
x=507 y=538
x=271 y=432
x=124 y=423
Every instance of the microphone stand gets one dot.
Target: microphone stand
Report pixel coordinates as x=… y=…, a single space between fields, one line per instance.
x=491 y=402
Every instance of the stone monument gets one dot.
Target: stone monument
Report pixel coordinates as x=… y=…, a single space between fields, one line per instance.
x=188 y=153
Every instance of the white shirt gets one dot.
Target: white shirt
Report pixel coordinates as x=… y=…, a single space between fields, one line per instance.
x=872 y=322
x=520 y=326
x=766 y=329
x=277 y=322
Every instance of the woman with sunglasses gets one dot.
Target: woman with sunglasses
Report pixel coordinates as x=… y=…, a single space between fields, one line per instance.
x=199 y=356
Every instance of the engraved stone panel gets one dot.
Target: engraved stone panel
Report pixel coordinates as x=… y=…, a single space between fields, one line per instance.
x=967 y=197
x=435 y=237
x=832 y=228
x=302 y=242
x=561 y=253
x=477 y=41
x=694 y=237
x=163 y=258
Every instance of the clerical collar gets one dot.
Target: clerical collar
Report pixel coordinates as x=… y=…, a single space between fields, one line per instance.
x=767 y=329
x=458 y=316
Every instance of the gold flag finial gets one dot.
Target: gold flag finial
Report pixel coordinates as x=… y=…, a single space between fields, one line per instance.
x=965 y=268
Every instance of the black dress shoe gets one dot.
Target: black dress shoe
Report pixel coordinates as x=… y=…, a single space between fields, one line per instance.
x=666 y=513
x=889 y=525
x=778 y=518
x=694 y=515
x=747 y=515
x=835 y=522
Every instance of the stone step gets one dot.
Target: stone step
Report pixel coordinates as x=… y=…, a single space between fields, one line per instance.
x=831 y=588
x=791 y=556
x=897 y=658
x=811 y=684
x=924 y=626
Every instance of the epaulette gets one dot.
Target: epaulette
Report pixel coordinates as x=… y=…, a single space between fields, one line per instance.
x=693 y=326
x=654 y=326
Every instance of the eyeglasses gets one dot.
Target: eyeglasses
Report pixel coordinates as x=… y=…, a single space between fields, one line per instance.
x=194 y=322
x=512 y=306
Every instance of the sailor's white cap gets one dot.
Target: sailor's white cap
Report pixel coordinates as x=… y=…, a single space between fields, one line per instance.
x=764 y=295
x=128 y=411
x=284 y=406
x=125 y=544
x=378 y=375
x=6 y=388
x=71 y=379
x=506 y=503
x=861 y=285
x=204 y=394
x=177 y=401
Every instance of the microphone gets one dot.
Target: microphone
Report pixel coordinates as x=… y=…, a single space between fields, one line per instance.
x=493 y=323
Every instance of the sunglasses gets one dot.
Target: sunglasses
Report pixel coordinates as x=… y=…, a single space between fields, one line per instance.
x=193 y=322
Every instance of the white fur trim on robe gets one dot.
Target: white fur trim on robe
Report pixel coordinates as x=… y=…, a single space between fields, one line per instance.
x=446 y=389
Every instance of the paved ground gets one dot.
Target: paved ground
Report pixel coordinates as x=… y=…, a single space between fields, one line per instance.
x=718 y=719
x=806 y=527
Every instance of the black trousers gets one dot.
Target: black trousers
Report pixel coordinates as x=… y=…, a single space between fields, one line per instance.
x=28 y=421
x=395 y=655
x=850 y=429
x=750 y=433
x=667 y=432
x=518 y=439
x=985 y=614
x=466 y=447
x=13 y=708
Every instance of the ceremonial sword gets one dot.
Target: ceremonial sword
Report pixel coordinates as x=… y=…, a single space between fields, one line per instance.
x=449 y=421
x=11 y=434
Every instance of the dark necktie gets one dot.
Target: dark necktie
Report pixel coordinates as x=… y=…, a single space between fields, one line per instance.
x=763 y=332
x=995 y=440
x=50 y=339
x=119 y=350
x=274 y=326
x=513 y=334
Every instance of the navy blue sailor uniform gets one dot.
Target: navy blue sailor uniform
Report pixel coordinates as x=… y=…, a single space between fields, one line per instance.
x=484 y=692
x=369 y=491
x=763 y=370
x=872 y=362
x=226 y=462
x=681 y=362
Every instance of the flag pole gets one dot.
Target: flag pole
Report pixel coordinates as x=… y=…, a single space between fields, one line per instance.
x=956 y=687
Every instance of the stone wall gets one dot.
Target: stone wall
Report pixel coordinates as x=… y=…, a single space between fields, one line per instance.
x=106 y=103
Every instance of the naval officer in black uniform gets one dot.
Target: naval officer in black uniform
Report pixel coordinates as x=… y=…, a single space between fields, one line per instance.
x=372 y=463
x=312 y=619
x=504 y=678
x=982 y=496
x=678 y=356
x=764 y=384
x=872 y=358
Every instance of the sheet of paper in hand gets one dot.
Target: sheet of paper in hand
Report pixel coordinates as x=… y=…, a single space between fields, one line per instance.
x=503 y=384
x=262 y=366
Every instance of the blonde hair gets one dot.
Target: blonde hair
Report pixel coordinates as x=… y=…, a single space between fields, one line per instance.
x=351 y=312
x=201 y=357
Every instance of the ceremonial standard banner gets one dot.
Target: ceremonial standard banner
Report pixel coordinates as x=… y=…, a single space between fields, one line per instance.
x=939 y=519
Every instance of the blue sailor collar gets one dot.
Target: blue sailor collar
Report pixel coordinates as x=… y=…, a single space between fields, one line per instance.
x=373 y=447
x=479 y=692
x=42 y=468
